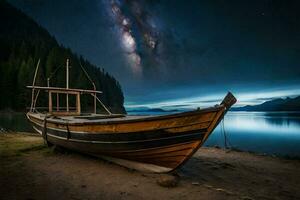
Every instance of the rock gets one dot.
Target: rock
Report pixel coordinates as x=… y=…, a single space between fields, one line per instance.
x=246 y=198
x=195 y=183
x=208 y=186
x=226 y=165
x=168 y=181
x=214 y=167
x=228 y=150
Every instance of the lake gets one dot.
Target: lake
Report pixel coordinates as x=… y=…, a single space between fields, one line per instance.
x=276 y=133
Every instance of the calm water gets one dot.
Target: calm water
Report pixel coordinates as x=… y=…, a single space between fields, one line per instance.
x=261 y=132
x=14 y=122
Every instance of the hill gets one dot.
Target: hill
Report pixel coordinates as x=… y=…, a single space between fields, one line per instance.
x=22 y=43
x=287 y=104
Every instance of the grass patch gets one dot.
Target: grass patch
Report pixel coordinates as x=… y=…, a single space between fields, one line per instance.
x=49 y=151
x=33 y=148
x=14 y=144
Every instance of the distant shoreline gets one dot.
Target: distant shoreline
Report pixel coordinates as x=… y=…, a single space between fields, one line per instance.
x=280 y=104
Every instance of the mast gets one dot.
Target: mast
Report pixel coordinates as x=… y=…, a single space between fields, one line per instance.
x=67 y=83
x=33 y=83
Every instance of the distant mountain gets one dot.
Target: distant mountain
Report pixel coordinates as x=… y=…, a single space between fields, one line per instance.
x=287 y=104
x=151 y=110
x=22 y=43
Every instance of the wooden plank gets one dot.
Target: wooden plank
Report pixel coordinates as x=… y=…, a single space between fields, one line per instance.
x=194 y=122
x=64 y=89
x=78 y=106
x=50 y=102
x=218 y=117
x=65 y=113
x=172 y=123
x=163 y=149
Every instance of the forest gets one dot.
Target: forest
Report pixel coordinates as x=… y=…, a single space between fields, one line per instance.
x=22 y=43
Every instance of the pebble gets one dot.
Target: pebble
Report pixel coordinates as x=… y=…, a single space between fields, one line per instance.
x=167 y=181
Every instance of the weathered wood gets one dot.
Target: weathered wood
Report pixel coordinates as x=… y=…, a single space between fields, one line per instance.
x=77 y=112
x=67 y=84
x=172 y=124
x=50 y=102
x=78 y=106
x=64 y=89
x=157 y=143
x=229 y=100
x=57 y=101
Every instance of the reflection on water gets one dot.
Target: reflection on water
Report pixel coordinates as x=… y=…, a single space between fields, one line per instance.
x=261 y=132
x=14 y=122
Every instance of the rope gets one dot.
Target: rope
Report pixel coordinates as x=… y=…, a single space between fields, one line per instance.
x=227 y=144
x=68 y=131
x=44 y=133
x=54 y=72
x=87 y=75
x=95 y=96
x=102 y=104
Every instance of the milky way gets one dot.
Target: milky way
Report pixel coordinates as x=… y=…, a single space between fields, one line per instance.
x=137 y=31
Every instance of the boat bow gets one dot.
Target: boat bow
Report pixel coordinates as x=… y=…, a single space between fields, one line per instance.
x=228 y=101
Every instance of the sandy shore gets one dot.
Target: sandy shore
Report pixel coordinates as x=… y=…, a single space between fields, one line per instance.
x=29 y=170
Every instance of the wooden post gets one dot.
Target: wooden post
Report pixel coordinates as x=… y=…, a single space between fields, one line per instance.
x=36 y=97
x=50 y=102
x=95 y=104
x=95 y=100
x=49 y=96
x=78 y=106
x=57 y=101
x=67 y=83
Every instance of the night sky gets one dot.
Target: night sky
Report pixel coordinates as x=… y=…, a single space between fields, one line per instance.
x=182 y=53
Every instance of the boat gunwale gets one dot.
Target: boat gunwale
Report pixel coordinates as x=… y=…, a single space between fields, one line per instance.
x=122 y=120
x=109 y=133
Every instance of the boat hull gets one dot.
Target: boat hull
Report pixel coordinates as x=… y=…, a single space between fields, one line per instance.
x=159 y=144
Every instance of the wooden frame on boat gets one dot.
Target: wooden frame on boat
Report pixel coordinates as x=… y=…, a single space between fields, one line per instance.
x=67 y=112
x=67 y=91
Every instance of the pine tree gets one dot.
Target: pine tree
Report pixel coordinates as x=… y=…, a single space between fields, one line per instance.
x=22 y=43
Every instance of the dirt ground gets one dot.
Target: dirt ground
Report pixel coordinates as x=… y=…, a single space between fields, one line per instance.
x=29 y=170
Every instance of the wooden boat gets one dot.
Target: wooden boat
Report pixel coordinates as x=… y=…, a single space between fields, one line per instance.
x=148 y=143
